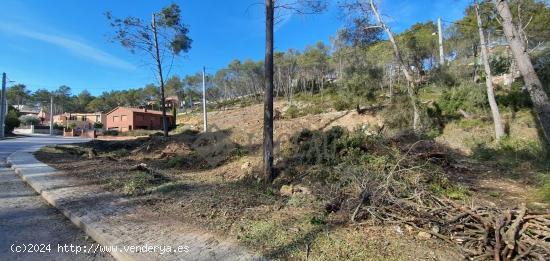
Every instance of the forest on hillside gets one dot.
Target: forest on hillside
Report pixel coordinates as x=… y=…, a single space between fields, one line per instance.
x=358 y=67
x=380 y=144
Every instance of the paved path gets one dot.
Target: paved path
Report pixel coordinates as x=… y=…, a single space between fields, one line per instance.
x=25 y=218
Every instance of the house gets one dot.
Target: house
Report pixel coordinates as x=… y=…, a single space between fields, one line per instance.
x=124 y=119
x=26 y=109
x=81 y=120
x=44 y=117
x=170 y=103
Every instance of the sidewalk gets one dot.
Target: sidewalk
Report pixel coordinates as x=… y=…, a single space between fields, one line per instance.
x=129 y=232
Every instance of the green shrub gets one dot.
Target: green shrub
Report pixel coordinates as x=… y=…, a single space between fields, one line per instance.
x=512 y=151
x=314 y=109
x=469 y=97
x=544 y=188
x=292 y=112
x=442 y=77
x=28 y=120
x=329 y=147
x=341 y=104
x=500 y=64
x=136 y=133
x=541 y=62
x=515 y=98
x=110 y=133
x=57 y=126
x=399 y=116
x=12 y=120
x=179 y=162
x=98 y=125
x=136 y=183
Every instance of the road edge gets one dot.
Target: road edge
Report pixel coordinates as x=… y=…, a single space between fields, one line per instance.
x=95 y=233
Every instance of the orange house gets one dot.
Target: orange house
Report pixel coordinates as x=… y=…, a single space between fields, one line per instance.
x=124 y=119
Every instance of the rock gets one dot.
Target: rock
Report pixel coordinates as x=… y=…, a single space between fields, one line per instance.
x=423 y=235
x=399 y=230
x=286 y=190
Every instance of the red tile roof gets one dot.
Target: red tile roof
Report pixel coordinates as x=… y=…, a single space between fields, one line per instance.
x=138 y=110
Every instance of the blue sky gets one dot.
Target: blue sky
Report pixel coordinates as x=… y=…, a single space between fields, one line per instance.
x=46 y=44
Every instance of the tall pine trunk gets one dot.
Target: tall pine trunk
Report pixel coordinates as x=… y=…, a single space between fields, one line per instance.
x=532 y=81
x=161 y=79
x=411 y=85
x=499 y=129
x=268 y=102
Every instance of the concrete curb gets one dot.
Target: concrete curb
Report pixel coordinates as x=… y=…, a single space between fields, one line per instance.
x=111 y=223
x=95 y=233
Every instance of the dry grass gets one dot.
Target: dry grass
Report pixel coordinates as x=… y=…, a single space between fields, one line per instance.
x=211 y=181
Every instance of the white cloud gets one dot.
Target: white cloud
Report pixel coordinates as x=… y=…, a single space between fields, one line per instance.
x=74 y=46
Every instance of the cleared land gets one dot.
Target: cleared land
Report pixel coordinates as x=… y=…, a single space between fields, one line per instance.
x=211 y=181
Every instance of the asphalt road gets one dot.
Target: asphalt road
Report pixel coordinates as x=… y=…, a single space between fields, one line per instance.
x=30 y=229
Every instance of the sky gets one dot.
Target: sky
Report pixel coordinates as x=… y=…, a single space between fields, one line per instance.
x=45 y=44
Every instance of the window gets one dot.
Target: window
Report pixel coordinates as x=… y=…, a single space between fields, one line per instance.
x=84 y=118
x=115 y=118
x=123 y=118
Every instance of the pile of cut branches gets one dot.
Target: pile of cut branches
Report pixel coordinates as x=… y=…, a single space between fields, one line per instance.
x=480 y=233
x=401 y=196
x=402 y=180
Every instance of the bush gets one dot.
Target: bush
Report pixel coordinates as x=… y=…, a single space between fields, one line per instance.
x=177 y=162
x=399 y=116
x=541 y=62
x=441 y=76
x=110 y=133
x=12 y=120
x=72 y=126
x=292 y=112
x=98 y=125
x=57 y=126
x=499 y=64
x=469 y=97
x=345 y=163
x=139 y=132
x=341 y=104
x=327 y=148
x=28 y=120
x=515 y=98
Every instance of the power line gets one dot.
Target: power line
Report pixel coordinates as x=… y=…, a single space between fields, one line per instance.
x=458 y=23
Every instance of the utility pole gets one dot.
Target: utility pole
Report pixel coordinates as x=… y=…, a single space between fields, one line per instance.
x=51 y=115
x=205 y=119
x=3 y=106
x=440 y=33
